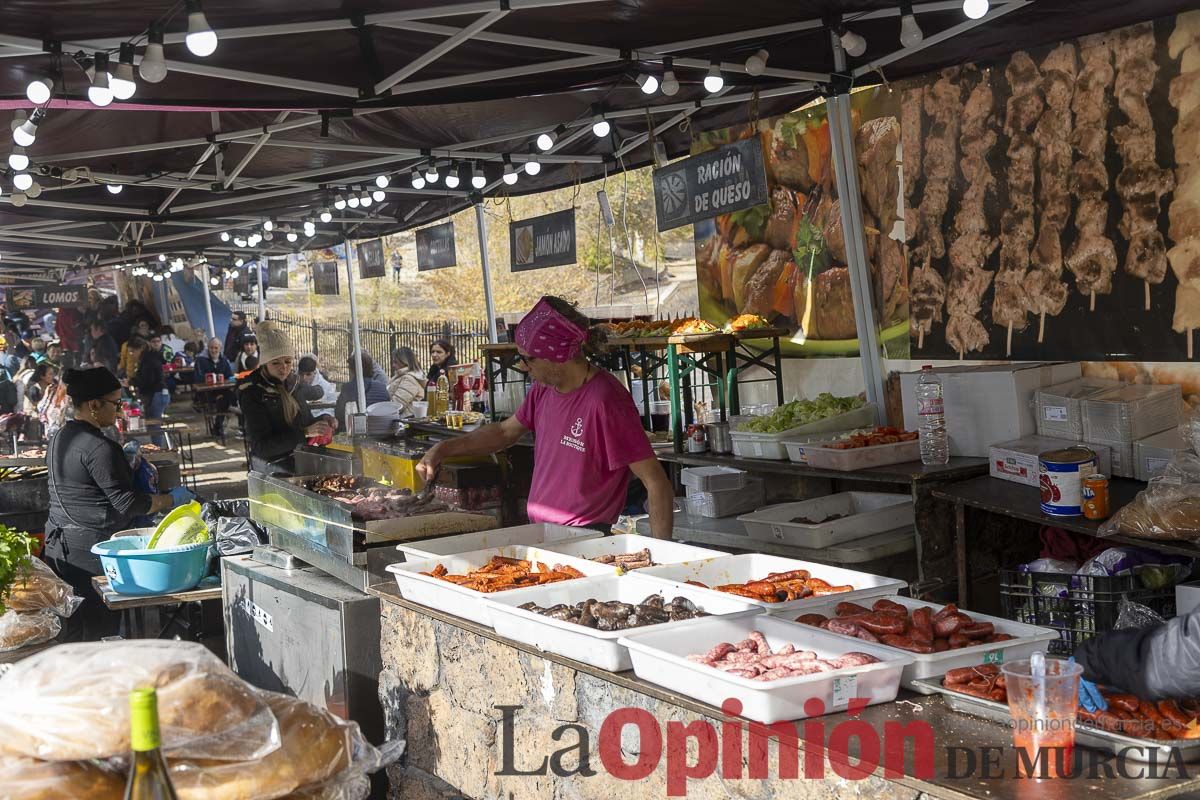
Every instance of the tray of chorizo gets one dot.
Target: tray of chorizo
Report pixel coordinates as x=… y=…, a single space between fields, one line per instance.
x=1142 y=730
x=775 y=583
x=940 y=638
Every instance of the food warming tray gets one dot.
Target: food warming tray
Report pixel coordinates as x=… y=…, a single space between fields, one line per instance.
x=863 y=513
x=468 y=603
x=1028 y=639
x=820 y=455
x=598 y=648
x=1135 y=749
x=662 y=551
x=660 y=657
x=756 y=566
x=537 y=533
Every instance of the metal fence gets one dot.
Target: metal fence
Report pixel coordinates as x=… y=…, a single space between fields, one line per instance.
x=333 y=341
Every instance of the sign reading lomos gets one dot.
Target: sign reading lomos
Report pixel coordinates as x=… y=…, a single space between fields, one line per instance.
x=370 y=259
x=707 y=185
x=325 y=277
x=545 y=241
x=435 y=247
x=31 y=297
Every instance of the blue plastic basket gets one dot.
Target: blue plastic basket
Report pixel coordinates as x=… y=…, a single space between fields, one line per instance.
x=133 y=570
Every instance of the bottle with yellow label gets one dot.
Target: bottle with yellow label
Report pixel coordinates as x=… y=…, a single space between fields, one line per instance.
x=148 y=778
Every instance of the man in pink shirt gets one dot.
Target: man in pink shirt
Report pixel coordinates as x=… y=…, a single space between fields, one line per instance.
x=588 y=436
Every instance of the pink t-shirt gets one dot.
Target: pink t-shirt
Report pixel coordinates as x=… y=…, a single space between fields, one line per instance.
x=584 y=442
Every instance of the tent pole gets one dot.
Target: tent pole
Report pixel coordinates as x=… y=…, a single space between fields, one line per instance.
x=481 y=229
x=262 y=300
x=845 y=168
x=359 y=379
x=204 y=279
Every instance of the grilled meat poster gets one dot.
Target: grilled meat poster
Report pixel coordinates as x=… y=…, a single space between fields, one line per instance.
x=1053 y=200
x=786 y=260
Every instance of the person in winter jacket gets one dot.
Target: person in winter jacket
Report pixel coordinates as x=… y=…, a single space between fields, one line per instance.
x=100 y=348
x=408 y=382
x=1155 y=663
x=238 y=328
x=374 y=382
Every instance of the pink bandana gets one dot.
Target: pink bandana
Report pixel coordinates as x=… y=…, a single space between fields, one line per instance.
x=545 y=333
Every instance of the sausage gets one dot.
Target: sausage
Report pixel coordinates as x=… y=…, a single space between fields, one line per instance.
x=944 y=626
x=889 y=607
x=1172 y=712
x=947 y=610
x=974 y=690
x=847 y=609
x=844 y=627
x=794 y=575
x=905 y=643
x=957 y=640
x=1124 y=702
x=811 y=619
x=922 y=618
x=940 y=645
x=977 y=630
x=881 y=623
x=968 y=674
x=999 y=637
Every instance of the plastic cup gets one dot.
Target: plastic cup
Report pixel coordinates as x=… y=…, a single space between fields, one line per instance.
x=1043 y=715
x=420 y=408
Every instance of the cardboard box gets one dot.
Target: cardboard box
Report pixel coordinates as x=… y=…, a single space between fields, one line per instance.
x=1017 y=461
x=986 y=404
x=1131 y=412
x=1059 y=411
x=1120 y=455
x=1150 y=455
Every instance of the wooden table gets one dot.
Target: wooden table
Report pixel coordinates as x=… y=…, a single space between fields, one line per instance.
x=133 y=607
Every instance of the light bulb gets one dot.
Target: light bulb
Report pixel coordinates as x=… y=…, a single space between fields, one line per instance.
x=22 y=181
x=975 y=9
x=713 y=82
x=339 y=203
x=268 y=225
x=201 y=40
x=224 y=236
x=17 y=159
x=214 y=280
x=756 y=63
x=237 y=262
x=291 y=236
x=162 y=256
x=600 y=126
x=546 y=140
x=34 y=190
x=379 y=195
x=366 y=201
x=910 y=31
x=478 y=179
x=533 y=166
x=326 y=216
x=352 y=201
x=153 y=67
x=510 y=176
x=114 y=188
x=382 y=181
x=17 y=199
x=25 y=133
x=268 y=236
x=158 y=276
x=100 y=93
x=452 y=179
x=431 y=173
x=240 y=242
x=852 y=43
x=648 y=83
x=122 y=83
x=310 y=229
x=416 y=180
x=253 y=239
x=39 y=90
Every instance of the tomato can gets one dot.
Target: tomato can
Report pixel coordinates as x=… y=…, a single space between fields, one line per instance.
x=1061 y=476
x=1095 y=496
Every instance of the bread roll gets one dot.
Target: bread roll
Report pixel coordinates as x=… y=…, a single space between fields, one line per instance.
x=25 y=629
x=29 y=779
x=315 y=746
x=41 y=588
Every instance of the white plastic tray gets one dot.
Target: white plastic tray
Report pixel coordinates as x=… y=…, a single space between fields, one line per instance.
x=710 y=479
x=821 y=456
x=864 y=513
x=1028 y=639
x=756 y=566
x=468 y=603
x=772 y=446
x=533 y=534
x=660 y=656
x=599 y=648
x=662 y=551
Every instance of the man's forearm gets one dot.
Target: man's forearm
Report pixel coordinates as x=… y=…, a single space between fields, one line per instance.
x=661 y=500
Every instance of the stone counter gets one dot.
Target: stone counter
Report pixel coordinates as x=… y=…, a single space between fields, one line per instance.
x=443 y=679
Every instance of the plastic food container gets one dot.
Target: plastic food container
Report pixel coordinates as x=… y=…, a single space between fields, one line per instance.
x=756 y=566
x=1131 y=412
x=662 y=551
x=533 y=534
x=660 y=656
x=772 y=445
x=821 y=456
x=599 y=648
x=1059 y=409
x=863 y=513
x=132 y=569
x=468 y=603
x=728 y=502
x=1028 y=639
x=712 y=479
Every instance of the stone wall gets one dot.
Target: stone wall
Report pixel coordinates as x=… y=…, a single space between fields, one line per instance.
x=440 y=685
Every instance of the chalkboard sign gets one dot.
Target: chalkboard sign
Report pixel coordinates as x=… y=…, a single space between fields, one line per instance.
x=707 y=185
x=545 y=241
x=370 y=259
x=31 y=297
x=277 y=273
x=325 y=277
x=241 y=280
x=435 y=247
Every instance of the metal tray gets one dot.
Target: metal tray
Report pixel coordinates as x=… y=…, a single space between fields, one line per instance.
x=1140 y=750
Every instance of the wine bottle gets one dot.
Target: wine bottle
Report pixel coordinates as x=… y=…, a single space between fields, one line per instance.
x=148 y=778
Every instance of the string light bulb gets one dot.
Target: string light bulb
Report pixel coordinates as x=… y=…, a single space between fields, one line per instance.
x=268 y=225
x=25 y=133
x=532 y=165
x=39 y=90
x=416 y=181
x=975 y=9
x=670 y=84
x=757 y=63
x=326 y=216
x=291 y=236
x=224 y=236
x=647 y=83
x=600 y=126
x=379 y=195
x=713 y=81
x=114 y=188
x=383 y=181
x=22 y=181
x=431 y=173
x=478 y=179
x=162 y=256
x=339 y=203
x=852 y=43
x=99 y=93
x=510 y=175
x=366 y=200
x=122 y=82
x=153 y=67
x=911 y=34
x=34 y=190
x=17 y=159
x=545 y=141
x=214 y=280
x=237 y=262
x=352 y=201
x=201 y=39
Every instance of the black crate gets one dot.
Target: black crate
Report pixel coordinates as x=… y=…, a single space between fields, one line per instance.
x=1077 y=606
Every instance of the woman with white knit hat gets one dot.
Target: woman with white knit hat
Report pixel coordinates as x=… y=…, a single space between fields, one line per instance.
x=275 y=420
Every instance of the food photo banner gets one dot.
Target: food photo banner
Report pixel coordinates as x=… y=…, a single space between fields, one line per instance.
x=1055 y=201
x=370 y=259
x=435 y=247
x=277 y=273
x=325 y=277
x=709 y=184
x=545 y=241
x=32 y=297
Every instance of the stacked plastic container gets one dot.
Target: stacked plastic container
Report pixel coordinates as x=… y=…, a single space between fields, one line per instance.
x=717 y=492
x=1059 y=409
x=1122 y=415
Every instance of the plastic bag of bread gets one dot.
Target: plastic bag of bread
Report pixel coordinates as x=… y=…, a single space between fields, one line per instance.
x=350 y=785
x=71 y=702
x=26 y=628
x=30 y=779
x=318 y=753
x=40 y=588
x=1168 y=508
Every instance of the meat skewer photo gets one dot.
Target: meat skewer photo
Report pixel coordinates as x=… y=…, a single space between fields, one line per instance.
x=1184 y=212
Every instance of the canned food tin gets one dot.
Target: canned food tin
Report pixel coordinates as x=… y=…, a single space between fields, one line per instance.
x=1061 y=474
x=1095 y=496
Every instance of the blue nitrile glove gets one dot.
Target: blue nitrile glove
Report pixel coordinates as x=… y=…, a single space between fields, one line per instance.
x=1089 y=696
x=181 y=496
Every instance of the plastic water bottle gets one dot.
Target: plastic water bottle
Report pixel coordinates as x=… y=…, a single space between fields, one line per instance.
x=935 y=449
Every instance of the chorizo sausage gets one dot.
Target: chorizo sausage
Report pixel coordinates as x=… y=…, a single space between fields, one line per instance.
x=880 y=623
x=811 y=619
x=889 y=607
x=905 y=643
x=945 y=626
x=1171 y=711
x=1125 y=702
x=977 y=630
x=968 y=674
x=957 y=640
x=999 y=637
x=844 y=627
x=922 y=619
x=947 y=610
x=847 y=609
x=940 y=645
x=974 y=690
